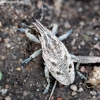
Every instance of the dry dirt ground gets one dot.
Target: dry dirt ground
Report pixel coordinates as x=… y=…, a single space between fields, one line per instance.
x=28 y=82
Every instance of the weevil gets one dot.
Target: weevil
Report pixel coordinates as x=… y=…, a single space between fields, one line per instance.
x=57 y=60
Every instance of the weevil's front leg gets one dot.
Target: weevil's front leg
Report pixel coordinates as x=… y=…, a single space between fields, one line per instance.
x=28 y=34
x=74 y=58
x=64 y=36
x=35 y=54
x=54 y=28
x=46 y=71
x=31 y=36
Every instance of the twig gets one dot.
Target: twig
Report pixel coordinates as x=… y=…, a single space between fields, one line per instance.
x=53 y=89
x=89 y=59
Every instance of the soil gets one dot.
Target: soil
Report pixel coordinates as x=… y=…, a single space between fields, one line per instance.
x=27 y=82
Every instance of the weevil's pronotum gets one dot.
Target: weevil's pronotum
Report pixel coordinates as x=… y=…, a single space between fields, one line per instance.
x=57 y=60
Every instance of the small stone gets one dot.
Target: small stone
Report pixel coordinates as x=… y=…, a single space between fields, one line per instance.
x=82 y=69
x=0 y=24
x=80 y=9
x=24 y=80
x=7 y=98
x=0 y=39
x=8 y=45
x=73 y=93
x=7 y=86
x=94 y=93
x=27 y=2
x=73 y=87
x=3 y=91
x=25 y=93
x=37 y=90
x=82 y=23
x=79 y=46
x=39 y=4
x=18 y=69
x=96 y=38
x=52 y=98
x=96 y=46
x=3 y=57
x=6 y=40
x=59 y=98
x=82 y=43
x=67 y=25
x=73 y=42
x=80 y=89
x=91 y=54
x=1 y=98
x=28 y=68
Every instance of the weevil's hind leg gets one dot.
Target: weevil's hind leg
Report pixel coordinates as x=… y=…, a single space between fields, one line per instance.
x=35 y=54
x=46 y=71
x=64 y=36
x=54 y=27
x=74 y=58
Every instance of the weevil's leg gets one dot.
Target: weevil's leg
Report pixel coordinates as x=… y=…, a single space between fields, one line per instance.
x=31 y=36
x=74 y=58
x=28 y=34
x=64 y=36
x=54 y=28
x=46 y=71
x=22 y=30
x=35 y=54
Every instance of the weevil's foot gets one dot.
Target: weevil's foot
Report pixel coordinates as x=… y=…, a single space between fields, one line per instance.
x=26 y=61
x=46 y=89
x=81 y=75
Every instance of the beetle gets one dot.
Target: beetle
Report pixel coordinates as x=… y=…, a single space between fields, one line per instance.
x=57 y=60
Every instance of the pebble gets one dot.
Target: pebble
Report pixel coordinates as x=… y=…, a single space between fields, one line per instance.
x=40 y=4
x=3 y=91
x=80 y=89
x=1 y=98
x=0 y=24
x=73 y=93
x=82 y=69
x=25 y=93
x=96 y=38
x=3 y=57
x=59 y=98
x=6 y=40
x=73 y=42
x=0 y=39
x=7 y=86
x=7 y=98
x=80 y=9
x=94 y=93
x=96 y=46
x=82 y=23
x=27 y=2
x=67 y=25
x=8 y=45
x=18 y=69
x=73 y=87
x=82 y=43
x=37 y=90
x=79 y=46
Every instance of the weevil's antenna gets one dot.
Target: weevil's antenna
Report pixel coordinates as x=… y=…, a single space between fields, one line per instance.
x=42 y=14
